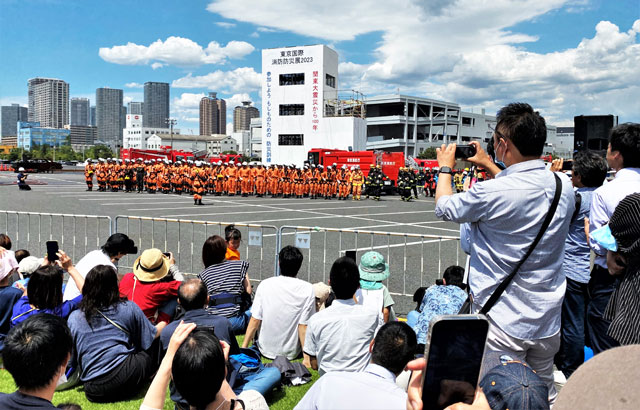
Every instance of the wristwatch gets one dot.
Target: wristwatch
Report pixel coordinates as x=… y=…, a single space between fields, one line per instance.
x=446 y=170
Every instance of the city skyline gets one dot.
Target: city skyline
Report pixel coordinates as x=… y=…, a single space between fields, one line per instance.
x=565 y=57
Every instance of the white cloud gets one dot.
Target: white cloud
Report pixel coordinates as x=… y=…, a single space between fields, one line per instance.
x=240 y=80
x=187 y=101
x=237 y=99
x=225 y=24
x=133 y=85
x=465 y=51
x=177 y=51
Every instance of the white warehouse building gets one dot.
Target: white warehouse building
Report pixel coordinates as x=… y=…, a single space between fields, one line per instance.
x=136 y=136
x=302 y=108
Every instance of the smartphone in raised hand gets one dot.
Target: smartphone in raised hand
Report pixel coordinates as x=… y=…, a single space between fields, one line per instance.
x=52 y=251
x=454 y=352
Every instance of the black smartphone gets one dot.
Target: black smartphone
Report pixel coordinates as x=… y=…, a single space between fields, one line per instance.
x=351 y=255
x=567 y=165
x=465 y=151
x=52 y=251
x=454 y=351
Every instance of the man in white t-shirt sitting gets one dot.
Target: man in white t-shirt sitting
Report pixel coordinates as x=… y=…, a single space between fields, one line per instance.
x=338 y=337
x=281 y=308
x=117 y=246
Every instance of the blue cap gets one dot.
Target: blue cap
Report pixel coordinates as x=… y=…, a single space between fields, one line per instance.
x=514 y=385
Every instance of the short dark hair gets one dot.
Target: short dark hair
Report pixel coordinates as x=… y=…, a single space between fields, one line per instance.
x=454 y=275
x=213 y=250
x=524 y=127
x=625 y=138
x=44 y=289
x=344 y=277
x=100 y=291
x=591 y=168
x=394 y=346
x=290 y=260
x=418 y=296
x=35 y=349
x=231 y=232
x=119 y=243
x=21 y=254
x=199 y=368
x=5 y=241
x=192 y=294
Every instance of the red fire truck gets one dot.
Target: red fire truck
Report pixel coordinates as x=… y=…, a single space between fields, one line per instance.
x=165 y=152
x=390 y=162
x=427 y=163
x=225 y=158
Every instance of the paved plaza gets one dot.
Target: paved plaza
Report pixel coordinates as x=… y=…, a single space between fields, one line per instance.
x=416 y=259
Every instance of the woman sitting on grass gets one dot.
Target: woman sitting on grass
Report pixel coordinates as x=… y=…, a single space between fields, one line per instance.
x=116 y=347
x=227 y=283
x=44 y=291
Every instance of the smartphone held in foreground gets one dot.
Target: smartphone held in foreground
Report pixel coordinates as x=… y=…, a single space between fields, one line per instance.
x=454 y=352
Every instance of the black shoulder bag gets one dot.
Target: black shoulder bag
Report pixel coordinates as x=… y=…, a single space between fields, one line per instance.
x=466 y=306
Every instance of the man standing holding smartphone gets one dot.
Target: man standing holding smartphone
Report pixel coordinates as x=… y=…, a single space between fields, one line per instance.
x=505 y=216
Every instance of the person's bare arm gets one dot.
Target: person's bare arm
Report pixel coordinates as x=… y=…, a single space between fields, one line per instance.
x=586 y=231
x=159 y=328
x=302 y=334
x=65 y=263
x=158 y=389
x=247 y=284
x=446 y=158
x=254 y=325
x=386 y=312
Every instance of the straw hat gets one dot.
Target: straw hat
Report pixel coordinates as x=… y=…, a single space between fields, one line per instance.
x=151 y=266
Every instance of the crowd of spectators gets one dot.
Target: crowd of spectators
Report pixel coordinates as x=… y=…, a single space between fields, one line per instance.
x=529 y=232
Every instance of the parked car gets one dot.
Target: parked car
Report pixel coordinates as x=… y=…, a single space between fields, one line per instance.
x=37 y=165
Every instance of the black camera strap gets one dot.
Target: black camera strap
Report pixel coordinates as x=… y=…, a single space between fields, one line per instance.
x=547 y=221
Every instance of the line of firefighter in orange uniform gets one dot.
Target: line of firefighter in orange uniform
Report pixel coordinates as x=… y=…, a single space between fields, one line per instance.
x=199 y=178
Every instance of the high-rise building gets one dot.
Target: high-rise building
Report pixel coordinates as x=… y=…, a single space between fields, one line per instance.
x=80 y=111
x=10 y=116
x=93 y=115
x=108 y=116
x=48 y=102
x=213 y=115
x=242 y=116
x=155 y=110
x=123 y=117
x=135 y=107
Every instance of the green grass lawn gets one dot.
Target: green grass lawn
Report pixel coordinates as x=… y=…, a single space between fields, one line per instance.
x=284 y=398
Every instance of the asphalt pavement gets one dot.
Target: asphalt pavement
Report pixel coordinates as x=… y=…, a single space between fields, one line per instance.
x=417 y=245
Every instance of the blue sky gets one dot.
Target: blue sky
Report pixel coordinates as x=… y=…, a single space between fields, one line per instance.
x=565 y=57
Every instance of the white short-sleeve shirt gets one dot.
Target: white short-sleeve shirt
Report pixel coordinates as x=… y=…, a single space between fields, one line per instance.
x=339 y=336
x=282 y=303
x=90 y=261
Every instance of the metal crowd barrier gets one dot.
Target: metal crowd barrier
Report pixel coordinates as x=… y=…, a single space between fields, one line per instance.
x=183 y=237
x=76 y=234
x=414 y=260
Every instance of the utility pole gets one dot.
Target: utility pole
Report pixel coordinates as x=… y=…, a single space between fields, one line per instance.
x=171 y=122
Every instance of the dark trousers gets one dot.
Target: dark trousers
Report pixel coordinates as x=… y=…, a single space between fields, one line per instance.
x=574 y=310
x=601 y=286
x=127 y=379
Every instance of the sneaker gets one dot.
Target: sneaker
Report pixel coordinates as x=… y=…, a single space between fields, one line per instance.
x=559 y=378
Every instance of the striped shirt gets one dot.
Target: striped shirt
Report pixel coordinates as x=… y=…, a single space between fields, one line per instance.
x=623 y=309
x=225 y=277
